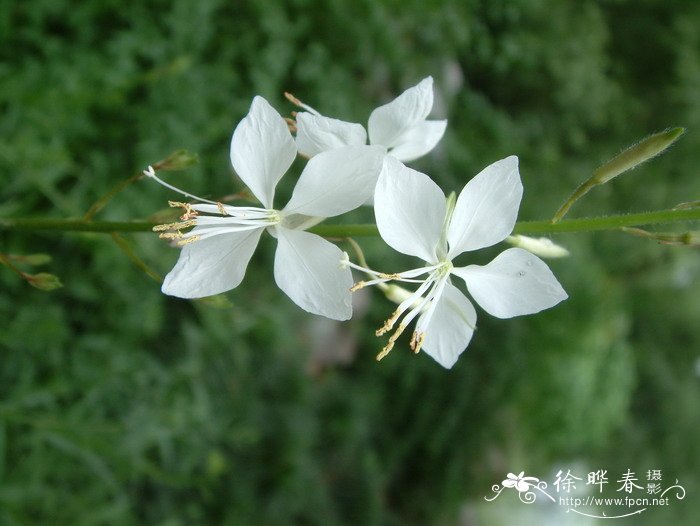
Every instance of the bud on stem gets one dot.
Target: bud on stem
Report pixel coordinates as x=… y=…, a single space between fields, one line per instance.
x=629 y=159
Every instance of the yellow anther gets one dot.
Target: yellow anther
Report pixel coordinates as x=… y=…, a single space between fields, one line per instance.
x=417 y=340
x=175 y=226
x=357 y=286
x=171 y=235
x=389 y=276
x=189 y=214
x=390 y=344
x=221 y=208
x=388 y=324
x=187 y=240
x=385 y=351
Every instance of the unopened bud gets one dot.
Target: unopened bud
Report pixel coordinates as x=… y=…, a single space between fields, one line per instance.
x=44 y=281
x=540 y=246
x=636 y=154
x=630 y=158
x=691 y=238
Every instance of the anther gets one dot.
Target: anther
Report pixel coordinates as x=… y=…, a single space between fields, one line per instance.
x=291 y=124
x=175 y=226
x=171 y=235
x=190 y=213
x=221 y=208
x=291 y=98
x=187 y=240
x=390 y=344
x=357 y=286
x=417 y=340
x=388 y=324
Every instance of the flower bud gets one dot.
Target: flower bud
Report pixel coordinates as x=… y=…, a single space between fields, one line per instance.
x=637 y=154
x=540 y=246
x=44 y=281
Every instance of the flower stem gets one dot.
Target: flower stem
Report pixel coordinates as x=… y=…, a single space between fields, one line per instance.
x=586 y=224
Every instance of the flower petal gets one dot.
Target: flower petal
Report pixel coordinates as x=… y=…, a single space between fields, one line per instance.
x=515 y=283
x=418 y=140
x=450 y=328
x=212 y=265
x=336 y=181
x=410 y=210
x=389 y=122
x=487 y=208
x=307 y=269
x=316 y=134
x=262 y=149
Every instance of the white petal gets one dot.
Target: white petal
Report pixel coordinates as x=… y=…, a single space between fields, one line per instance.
x=307 y=269
x=262 y=149
x=418 y=140
x=212 y=265
x=410 y=210
x=451 y=327
x=515 y=283
x=487 y=208
x=336 y=181
x=387 y=123
x=316 y=134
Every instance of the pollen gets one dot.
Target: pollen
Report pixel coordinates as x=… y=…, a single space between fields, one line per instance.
x=388 y=324
x=175 y=226
x=357 y=286
x=189 y=214
x=390 y=344
x=187 y=240
x=417 y=340
x=171 y=235
x=221 y=208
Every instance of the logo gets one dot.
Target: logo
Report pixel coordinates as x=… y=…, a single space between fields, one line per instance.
x=599 y=497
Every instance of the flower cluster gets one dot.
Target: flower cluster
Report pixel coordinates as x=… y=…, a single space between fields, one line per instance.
x=412 y=214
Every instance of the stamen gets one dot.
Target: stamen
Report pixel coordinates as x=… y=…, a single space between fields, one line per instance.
x=171 y=235
x=357 y=286
x=190 y=213
x=388 y=324
x=175 y=226
x=221 y=208
x=417 y=340
x=188 y=240
x=291 y=98
x=291 y=124
x=390 y=345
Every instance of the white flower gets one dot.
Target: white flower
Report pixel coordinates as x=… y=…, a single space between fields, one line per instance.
x=217 y=250
x=400 y=126
x=414 y=218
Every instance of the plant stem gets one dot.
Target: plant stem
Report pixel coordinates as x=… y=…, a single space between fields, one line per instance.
x=586 y=224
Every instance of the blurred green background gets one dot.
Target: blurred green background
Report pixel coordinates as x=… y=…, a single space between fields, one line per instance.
x=119 y=405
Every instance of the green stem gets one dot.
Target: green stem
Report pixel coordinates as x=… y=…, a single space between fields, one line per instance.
x=586 y=224
x=102 y=201
x=123 y=244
